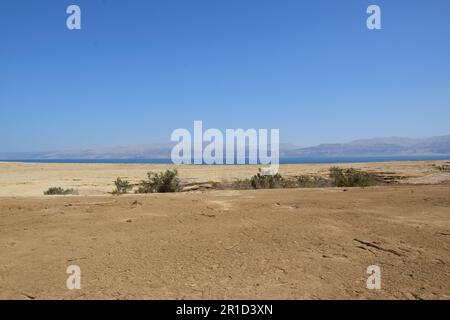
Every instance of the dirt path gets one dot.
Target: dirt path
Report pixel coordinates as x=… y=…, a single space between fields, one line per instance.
x=268 y=244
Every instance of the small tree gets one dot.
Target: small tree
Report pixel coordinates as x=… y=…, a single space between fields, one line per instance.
x=352 y=178
x=160 y=182
x=260 y=181
x=122 y=186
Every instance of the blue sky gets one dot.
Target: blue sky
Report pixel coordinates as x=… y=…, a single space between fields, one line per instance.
x=139 y=69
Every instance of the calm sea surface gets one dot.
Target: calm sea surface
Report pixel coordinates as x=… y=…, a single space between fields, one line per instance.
x=282 y=160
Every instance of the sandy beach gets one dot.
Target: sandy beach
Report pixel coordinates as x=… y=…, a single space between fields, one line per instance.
x=223 y=244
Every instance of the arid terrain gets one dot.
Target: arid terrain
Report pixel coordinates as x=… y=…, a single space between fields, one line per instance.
x=224 y=244
x=32 y=179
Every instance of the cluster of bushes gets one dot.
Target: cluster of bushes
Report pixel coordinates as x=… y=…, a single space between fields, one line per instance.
x=168 y=181
x=60 y=191
x=260 y=181
x=157 y=182
x=337 y=177
x=444 y=168
x=311 y=182
x=276 y=181
x=352 y=178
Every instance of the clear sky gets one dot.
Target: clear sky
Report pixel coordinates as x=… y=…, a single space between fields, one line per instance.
x=139 y=69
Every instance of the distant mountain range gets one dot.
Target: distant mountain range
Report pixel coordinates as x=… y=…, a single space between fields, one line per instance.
x=392 y=146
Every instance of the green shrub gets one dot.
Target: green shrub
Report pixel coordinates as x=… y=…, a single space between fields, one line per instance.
x=160 y=182
x=242 y=184
x=289 y=183
x=352 y=178
x=444 y=168
x=59 y=191
x=216 y=185
x=311 y=182
x=259 y=181
x=122 y=186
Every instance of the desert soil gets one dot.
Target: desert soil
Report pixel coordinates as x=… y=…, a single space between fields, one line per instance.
x=224 y=244
x=32 y=179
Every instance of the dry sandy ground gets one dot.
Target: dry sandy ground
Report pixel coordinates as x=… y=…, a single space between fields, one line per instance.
x=263 y=244
x=29 y=179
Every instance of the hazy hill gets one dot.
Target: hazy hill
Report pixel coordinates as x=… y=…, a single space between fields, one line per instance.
x=390 y=146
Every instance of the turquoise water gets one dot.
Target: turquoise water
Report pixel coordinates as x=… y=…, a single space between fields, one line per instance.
x=282 y=160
